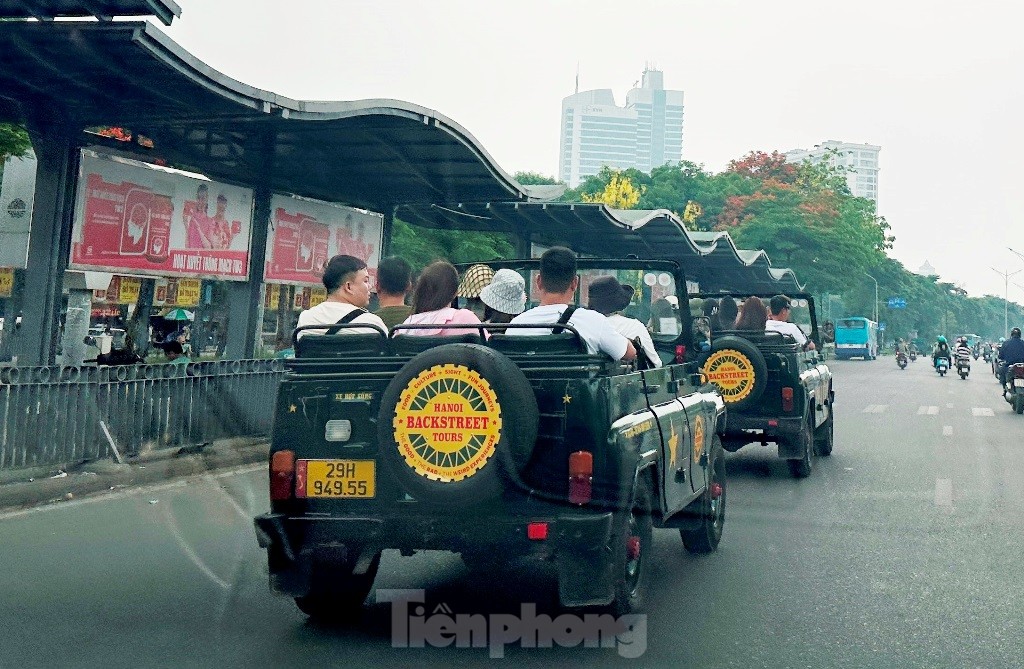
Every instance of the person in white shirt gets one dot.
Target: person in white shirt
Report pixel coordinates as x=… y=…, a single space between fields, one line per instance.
x=556 y=284
x=778 y=321
x=348 y=288
x=609 y=297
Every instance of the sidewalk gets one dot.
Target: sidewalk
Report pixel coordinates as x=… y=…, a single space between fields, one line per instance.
x=30 y=487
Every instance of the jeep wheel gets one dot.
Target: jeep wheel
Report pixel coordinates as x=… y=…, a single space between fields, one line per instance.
x=824 y=436
x=632 y=548
x=710 y=508
x=801 y=468
x=456 y=424
x=738 y=369
x=335 y=593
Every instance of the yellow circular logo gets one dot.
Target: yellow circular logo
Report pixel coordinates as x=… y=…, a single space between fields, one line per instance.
x=698 y=438
x=732 y=372
x=447 y=423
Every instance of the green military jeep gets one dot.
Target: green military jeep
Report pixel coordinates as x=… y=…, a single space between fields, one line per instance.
x=775 y=391
x=495 y=448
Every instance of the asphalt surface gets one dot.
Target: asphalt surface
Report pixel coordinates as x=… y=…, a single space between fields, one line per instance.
x=903 y=549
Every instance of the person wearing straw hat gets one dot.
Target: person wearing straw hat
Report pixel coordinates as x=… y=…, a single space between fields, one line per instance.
x=473 y=281
x=609 y=297
x=504 y=297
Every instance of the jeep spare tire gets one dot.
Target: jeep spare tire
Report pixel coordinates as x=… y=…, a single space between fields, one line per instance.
x=738 y=369
x=456 y=424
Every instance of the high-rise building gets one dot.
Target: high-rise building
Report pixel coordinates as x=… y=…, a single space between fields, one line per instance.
x=595 y=132
x=859 y=161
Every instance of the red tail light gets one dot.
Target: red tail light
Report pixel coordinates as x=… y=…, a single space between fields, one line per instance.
x=787 y=399
x=581 y=471
x=537 y=531
x=680 y=354
x=282 y=473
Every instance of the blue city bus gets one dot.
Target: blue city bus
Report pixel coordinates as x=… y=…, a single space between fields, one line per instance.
x=856 y=337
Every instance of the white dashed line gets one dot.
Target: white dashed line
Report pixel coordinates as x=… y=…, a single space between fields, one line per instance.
x=950 y=405
x=944 y=494
x=875 y=408
x=982 y=411
x=947 y=430
x=931 y=411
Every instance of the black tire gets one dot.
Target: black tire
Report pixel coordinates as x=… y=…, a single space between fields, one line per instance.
x=335 y=593
x=515 y=405
x=631 y=571
x=741 y=396
x=1018 y=404
x=824 y=436
x=710 y=508
x=802 y=467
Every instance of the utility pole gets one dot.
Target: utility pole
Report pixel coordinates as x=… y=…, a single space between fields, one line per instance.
x=876 y=294
x=1006 y=296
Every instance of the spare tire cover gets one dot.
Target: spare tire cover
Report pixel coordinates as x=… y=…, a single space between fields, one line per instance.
x=738 y=369
x=457 y=423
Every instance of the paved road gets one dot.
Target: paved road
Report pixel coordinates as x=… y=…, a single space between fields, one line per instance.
x=904 y=549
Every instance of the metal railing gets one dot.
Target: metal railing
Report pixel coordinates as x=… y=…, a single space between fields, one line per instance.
x=53 y=416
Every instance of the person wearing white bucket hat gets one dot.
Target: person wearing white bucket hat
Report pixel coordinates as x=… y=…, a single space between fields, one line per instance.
x=504 y=297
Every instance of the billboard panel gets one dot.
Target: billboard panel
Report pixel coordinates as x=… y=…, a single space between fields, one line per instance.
x=304 y=234
x=17 y=191
x=135 y=218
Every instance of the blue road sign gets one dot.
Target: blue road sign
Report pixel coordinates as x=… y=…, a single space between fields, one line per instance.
x=897 y=303
x=881 y=326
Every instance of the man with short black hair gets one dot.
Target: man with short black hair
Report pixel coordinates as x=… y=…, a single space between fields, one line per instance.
x=394 y=281
x=348 y=290
x=1011 y=352
x=778 y=321
x=556 y=283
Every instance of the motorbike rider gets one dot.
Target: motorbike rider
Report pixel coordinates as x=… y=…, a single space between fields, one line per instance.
x=1011 y=352
x=941 y=350
x=963 y=351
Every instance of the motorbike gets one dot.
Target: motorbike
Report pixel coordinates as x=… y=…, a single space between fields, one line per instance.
x=963 y=366
x=942 y=366
x=1013 y=391
x=913 y=356
x=986 y=355
x=901 y=359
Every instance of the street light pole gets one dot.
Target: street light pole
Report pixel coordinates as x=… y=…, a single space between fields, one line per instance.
x=876 y=294
x=1006 y=296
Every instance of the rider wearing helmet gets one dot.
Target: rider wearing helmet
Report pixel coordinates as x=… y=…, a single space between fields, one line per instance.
x=901 y=346
x=1011 y=352
x=941 y=350
x=963 y=351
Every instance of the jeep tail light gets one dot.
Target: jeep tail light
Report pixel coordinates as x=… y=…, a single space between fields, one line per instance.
x=680 y=354
x=282 y=473
x=581 y=476
x=1018 y=371
x=537 y=531
x=787 y=399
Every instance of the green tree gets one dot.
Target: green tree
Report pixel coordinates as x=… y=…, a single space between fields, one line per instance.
x=14 y=141
x=421 y=246
x=535 y=179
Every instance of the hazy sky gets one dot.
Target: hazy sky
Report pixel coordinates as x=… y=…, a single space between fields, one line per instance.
x=937 y=84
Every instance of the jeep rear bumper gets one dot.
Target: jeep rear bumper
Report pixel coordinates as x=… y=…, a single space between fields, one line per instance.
x=781 y=430
x=576 y=543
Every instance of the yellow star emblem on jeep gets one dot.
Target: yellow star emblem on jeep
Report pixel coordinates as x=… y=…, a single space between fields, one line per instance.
x=732 y=372
x=447 y=423
x=673 y=446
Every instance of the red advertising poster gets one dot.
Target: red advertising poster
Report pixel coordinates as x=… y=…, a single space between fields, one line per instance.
x=135 y=218
x=305 y=234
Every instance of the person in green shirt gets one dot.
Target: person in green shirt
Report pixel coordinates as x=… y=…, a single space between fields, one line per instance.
x=175 y=353
x=394 y=281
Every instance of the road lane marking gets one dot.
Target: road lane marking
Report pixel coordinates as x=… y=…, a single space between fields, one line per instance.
x=947 y=430
x=875 y=408
x=949 y=405
x=982 y=411
x=944 y=494
x=931 y=411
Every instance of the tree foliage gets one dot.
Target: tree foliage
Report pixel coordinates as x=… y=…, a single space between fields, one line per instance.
x=421 y=246
x=534 y=179
x=14 y=141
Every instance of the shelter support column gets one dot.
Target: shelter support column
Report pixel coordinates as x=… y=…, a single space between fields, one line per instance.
x=53 y=213
x=245 y=299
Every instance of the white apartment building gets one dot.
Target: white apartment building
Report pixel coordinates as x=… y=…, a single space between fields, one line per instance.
x=646 y=133
x=860 y=162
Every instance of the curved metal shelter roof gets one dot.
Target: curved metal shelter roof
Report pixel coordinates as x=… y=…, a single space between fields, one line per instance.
x=47 y=10
x=711 y=259
x=374 y=154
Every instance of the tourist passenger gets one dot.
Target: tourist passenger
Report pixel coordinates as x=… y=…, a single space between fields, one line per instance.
x=556 y=283
x=431 y=303
x=725 y=319
x=394 y=281
x=609 y=297
x=348 y=291
x=475 y=280
x=504 y=297
x=752 y=315
x=778 y=321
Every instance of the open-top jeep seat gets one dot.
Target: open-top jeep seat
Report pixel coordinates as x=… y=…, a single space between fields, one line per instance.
x=411 y=345
x=565 y=343
x=765 y=341
x=345 y=345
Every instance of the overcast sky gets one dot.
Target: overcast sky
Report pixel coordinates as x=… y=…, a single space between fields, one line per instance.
x=938 y=84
